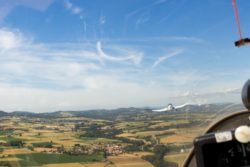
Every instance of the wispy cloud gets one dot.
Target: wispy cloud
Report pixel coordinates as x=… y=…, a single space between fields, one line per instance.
x=53 y=65
x=183 y=39
x=72 y=8
x=141 y=16
x=189 y=94
x=58 y=65
x=164 y=58
x=139 y=22
x=4 y=11
x=136 y=58
x=102 y=20
x=144 y=8
x=215 y=93
x=160 y=2
x=46 y=77
x=9 y=39
x=7 y=6
x=186 y=77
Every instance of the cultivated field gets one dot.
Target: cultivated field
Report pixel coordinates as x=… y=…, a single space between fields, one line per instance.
x=67 y=140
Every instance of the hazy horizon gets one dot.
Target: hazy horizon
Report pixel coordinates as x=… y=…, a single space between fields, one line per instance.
x=75 y=55
x=159 y=107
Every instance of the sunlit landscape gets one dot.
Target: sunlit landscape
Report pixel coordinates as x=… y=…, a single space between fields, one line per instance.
x=121 y=137
x=116 y=83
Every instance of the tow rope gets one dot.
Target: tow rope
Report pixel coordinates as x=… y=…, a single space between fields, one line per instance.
x=242 y=41
x=237 y=18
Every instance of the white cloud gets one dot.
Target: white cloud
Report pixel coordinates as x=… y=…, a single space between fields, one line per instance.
x=76 y=10
x=4 y=11
x=58 y=65
x=142 y=20
x=164 y=58
x=40 y=5
x=53 y=66
x=165 y=39
x=42 y=78
x=72 y=8
x=7 y=6
x=214 y=92
x=68 y=4
x=142 y=14
x=105 y=92
x=102 y=20
x=233 y=90
x=10 y=39
x=212 y=96
x=136 y=58
x=186 y=77
x=69 y=76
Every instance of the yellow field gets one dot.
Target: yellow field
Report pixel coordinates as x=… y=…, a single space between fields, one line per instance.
x=60 y=133
x=129 y=160
x=10 y=159
x=180 y=138
x=126 y=135
x=65 y=138
x=98 y=165
x=130 y=124
x=162 y=124
x=126 y=160
x=140 y=154
x=150 y=133
x=16 y=151
x=178 y=158
x=65 y=165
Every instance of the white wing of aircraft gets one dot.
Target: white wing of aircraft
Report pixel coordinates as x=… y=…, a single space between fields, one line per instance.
x=170 y=107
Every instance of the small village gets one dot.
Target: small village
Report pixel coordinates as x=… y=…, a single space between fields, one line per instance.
x=77 y=149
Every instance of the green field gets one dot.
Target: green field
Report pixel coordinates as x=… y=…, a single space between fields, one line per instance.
x=178 y=158
x=75 y=140
x=10 y=139
x=39 y=159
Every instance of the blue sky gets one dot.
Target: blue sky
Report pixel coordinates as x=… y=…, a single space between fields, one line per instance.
x=85 y=54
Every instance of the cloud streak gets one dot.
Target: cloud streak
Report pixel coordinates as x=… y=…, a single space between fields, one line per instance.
x=6 y=7
x=62 y=66
x=102 y=20
x=136 y=58
x=72 y=8
x=164 y=58
x=74 y=76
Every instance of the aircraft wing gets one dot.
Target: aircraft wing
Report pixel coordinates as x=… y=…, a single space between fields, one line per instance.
x=162 y=110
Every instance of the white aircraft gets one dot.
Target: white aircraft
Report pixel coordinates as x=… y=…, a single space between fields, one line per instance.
x=170 y=107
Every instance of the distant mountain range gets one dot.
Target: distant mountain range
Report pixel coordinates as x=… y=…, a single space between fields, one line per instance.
x=115 y=114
